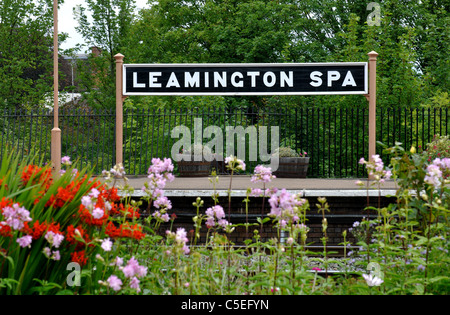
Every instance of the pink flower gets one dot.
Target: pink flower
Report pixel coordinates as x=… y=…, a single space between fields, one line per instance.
x=117 y=262
x=180 y=238
x=16 y=216
x=162 y=217
x=55 y=255
x=25 y=241
x=284 y=207
x=66 y=160
x=376 y=169
x=54 y=239
x=262 y=174
x=134 y=269
x=162 y=202
x=106 y=245
x=114 y=282
x=437 y=171
x=160 y=166
x=134 y=284
x=86 y=201
x=216 y=213
x=256 y=192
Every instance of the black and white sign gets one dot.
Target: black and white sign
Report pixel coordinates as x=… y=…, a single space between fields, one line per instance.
x=245 y=79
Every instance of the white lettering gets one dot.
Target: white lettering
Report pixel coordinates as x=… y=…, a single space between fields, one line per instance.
x=173 y=81
x=273 y=79
x=193 y=305
x=220 y=79
x=153 y=79
x=233 y=79
x=289 y=80
x=253 y=75
x=192 y=80
x=315 y=77
x=135 y=82
x=332 y=76
x=349 y=80
x=206 y=79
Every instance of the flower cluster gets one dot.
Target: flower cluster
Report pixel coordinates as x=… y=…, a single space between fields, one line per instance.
x=65 y=160
x=376 y=169
x=54 y=239
x=160 y=172
x=37 y=175
x=64 y=194
x=15 y=216
x=132 y=273
x=125 y=230
x=216 y=213
x=262 y=174
x=285 y=207
x=234 y=164
x=97 y=206
x=180 y=239
x=437 y=172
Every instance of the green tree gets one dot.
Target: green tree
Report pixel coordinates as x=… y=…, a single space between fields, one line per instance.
x=26 y=58
x=104 y=24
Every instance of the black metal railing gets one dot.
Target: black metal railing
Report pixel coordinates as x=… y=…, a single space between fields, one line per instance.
x=334 y=138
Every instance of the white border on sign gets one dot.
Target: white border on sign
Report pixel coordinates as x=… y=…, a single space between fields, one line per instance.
x=201 y=65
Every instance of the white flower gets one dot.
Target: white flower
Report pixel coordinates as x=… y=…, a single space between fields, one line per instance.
x=372 y=280
x=106 y=245
x=98 y=213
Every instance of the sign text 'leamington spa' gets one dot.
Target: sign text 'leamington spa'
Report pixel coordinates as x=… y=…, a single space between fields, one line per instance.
x=245 y=79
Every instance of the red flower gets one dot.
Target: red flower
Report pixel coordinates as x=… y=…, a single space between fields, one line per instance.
x=5 y=202
x=35 y=173
x=38 y=229
x=87 y=217
x=125 y=230
x=5 y=230
x=109 y=194
x=72 y=235
x=79 y=257
x=63 y=195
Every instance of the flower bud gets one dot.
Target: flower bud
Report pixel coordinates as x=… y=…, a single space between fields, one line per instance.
x=424 y=196
x=324 y=224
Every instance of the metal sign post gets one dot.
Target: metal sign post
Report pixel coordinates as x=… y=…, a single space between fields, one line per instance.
x=119 y=109
x=56 y=132
x=372 y=102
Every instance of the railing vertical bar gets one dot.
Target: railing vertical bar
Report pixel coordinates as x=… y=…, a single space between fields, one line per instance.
x=329 y=141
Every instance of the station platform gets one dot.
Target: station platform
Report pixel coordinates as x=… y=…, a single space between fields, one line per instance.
x=309 y=187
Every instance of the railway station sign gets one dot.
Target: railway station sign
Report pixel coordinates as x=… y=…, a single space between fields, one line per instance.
x=246 y=79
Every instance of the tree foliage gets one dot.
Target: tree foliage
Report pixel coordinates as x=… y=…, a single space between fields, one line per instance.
x=411 y=38
x=104 y=24
x=26 y=44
